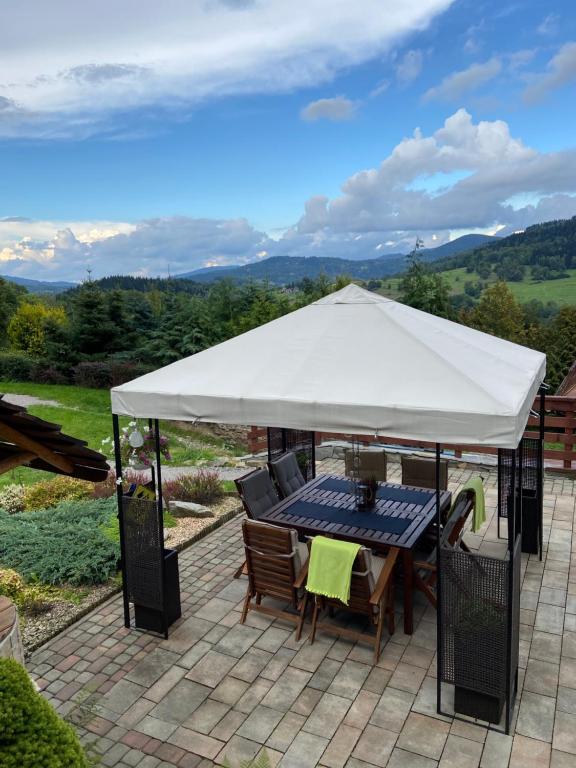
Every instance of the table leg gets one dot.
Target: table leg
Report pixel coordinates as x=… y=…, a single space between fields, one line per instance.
x=408 y=591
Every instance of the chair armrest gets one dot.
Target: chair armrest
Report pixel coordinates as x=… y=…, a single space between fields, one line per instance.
x=302 y=575
x=385 y=576
x=420 y=565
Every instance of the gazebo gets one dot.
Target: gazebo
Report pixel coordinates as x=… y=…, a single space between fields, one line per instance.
x=359 y=363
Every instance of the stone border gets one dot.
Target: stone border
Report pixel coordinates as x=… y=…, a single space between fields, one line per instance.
x=11 y=643
x=116 y=589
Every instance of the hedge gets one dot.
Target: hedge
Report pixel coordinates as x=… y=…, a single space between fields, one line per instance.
x=32 y=735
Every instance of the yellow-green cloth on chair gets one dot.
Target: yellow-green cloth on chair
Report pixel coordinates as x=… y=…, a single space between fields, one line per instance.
x=479 y=514
x=330 y=568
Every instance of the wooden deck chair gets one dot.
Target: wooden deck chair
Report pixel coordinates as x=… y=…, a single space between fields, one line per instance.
x=371 y=594
x=258 y=495
x=425 y=572
x=286 y=474
x=372 y=464
x=277 y=566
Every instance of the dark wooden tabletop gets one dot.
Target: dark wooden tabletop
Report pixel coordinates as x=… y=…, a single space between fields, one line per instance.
x=420 y=514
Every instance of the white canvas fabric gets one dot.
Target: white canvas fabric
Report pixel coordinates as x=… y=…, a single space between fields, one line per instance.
x=352 y=362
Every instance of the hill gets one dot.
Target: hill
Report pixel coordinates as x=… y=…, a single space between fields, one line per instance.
x=284 y=270
x=40 y=286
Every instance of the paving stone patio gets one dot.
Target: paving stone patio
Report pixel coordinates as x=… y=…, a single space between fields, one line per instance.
x=216 y=689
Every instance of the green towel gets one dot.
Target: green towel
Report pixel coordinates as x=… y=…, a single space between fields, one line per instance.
x=479 y=514
x=330 y=569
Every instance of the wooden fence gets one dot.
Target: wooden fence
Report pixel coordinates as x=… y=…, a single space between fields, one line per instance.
x=559 y=436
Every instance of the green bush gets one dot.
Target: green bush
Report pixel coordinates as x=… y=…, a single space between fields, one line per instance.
x=48 y=493
x=31 y=733
x=17 y=366
x=61 y=545
x=12 y=498
x=29 y=599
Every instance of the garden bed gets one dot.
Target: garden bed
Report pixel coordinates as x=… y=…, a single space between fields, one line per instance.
x=38 y=629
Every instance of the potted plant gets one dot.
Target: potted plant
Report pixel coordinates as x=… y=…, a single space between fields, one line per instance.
x=303 y=463
x=480 y=659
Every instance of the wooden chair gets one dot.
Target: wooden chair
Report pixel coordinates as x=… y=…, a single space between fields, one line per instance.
x=425 y=571
x=277 y=566
x=258 y=495
x=420 y=471
x=371 y=594
x=372 y=464
x=286 y=474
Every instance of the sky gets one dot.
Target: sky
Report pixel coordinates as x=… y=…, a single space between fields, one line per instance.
x=155 y=138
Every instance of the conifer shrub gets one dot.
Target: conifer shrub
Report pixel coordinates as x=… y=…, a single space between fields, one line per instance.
x=48 y=493
x=32 y=735
x=61 y=545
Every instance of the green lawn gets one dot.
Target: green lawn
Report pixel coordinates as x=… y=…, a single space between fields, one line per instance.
x=563 y=291
x=85 y=413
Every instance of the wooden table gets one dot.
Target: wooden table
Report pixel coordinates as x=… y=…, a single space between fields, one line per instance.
x=340 y=519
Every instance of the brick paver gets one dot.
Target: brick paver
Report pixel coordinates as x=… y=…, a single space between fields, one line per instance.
x=219 y=690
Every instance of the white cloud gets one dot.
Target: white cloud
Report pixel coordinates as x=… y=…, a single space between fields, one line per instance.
x=456 y=85
x=561 y=69
x=463 y=177
x=549 y=25
x=336 y=109
x=67 y=68
x=484 y=167
x=409 y=66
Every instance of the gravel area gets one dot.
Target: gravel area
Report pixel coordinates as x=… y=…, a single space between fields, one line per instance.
x=26 y=400
x=37 y=630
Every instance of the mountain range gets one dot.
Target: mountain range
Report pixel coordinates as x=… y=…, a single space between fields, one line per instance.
x=284 y=270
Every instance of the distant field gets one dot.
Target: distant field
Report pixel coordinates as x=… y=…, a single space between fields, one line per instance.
x=563 y=291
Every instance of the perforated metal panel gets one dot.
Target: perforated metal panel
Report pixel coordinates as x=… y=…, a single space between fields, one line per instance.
x=143 y=552
x=474 y=611
x=296 y=440
x=531 y=471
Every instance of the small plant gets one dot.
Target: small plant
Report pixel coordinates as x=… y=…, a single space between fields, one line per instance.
x=107 y=488
x=31 y=599
x=48 y=493
x=262 y=761
x=12 y=498
x=203 y=487
x=31 y=733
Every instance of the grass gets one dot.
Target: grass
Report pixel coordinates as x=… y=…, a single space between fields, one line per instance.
x=85 y=413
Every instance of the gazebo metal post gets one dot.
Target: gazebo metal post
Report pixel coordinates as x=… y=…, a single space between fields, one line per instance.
x=439 y=640
x=158 y=481
x=509 y=618
x=119 y=494
x=541 y=468
x=153 y=471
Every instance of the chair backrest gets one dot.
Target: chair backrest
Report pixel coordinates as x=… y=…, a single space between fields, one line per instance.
x=372 y=464
x=272 y=559
x=454 y=528
x=257 y=492
x=421 y=472
x=286 y=474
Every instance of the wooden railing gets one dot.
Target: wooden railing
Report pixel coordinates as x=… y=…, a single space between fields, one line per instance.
x=559 y=436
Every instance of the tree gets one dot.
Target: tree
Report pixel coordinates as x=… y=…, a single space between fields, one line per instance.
x=91 y=326
x=424 y=289
x=10 y=295
x=498 y=313
x=560 y=345
x=28 y=326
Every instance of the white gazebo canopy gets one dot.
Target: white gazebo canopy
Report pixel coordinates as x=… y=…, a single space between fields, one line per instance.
x=352 y=362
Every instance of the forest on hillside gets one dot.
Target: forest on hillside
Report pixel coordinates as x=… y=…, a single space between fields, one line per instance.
x=105 y=332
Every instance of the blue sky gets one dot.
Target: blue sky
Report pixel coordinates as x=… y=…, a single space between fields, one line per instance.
x=223 y=131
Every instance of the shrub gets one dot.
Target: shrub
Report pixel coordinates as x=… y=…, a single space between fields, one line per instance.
x=17 y=366
x=48 y=493
x=31 y=733
x=28 y=598
x=12 y=498
x=107 y=488
x=204 y=487
x=96 y=375
x=61 y=545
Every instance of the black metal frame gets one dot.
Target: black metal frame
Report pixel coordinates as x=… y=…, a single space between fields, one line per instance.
x=500 y=577
x=157 y=549
x=534 y=472
x=298 y=441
